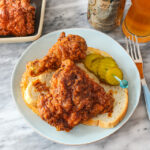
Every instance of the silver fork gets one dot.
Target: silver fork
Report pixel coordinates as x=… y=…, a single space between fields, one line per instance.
x=133 y=50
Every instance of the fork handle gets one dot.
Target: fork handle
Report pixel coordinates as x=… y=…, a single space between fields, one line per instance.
x=146 y=96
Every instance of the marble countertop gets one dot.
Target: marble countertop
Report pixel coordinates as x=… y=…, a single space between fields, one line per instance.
x=16 y=134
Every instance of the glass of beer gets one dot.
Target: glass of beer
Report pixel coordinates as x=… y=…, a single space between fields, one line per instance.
x=137 y=20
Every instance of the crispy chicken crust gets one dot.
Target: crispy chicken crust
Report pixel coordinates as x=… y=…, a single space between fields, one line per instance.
x=71 y=47
x=73 y=98
x=17 y=17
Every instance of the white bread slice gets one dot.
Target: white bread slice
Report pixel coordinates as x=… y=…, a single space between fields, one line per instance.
x=119 y=109
x=29 y=93
x=120 y=95
x=120 y=105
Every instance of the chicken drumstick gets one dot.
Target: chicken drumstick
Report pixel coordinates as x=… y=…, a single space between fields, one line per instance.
x=71 y=47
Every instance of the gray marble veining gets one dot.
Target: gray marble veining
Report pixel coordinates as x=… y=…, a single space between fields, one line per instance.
x=16 y=134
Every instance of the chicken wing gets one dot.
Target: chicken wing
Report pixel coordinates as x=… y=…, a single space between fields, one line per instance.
x=17 y=17
x=71 y=47
x=73 y=98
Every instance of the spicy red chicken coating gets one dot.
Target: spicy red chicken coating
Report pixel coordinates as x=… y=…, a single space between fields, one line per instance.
x=17 y=17
x=71 y=47
x=73 y=98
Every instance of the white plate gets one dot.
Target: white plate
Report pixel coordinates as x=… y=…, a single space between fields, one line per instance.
x=81 y=134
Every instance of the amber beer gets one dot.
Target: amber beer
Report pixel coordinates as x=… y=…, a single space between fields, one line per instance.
x=137 y=20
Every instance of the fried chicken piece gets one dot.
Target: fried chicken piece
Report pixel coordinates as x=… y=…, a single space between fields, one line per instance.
x=73 y=98
x=67 y=47
x=17 y=17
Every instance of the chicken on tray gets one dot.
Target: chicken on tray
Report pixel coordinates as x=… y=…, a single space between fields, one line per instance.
x=73 y=98
x=71 y=47
x=17 y=17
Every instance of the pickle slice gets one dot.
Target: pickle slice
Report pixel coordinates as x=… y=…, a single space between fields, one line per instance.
x=105 y=64
x=90 y=59
x=104 y=67
x=109 y=78
x=95 y=65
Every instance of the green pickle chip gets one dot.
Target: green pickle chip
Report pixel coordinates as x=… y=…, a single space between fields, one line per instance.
x=105 y=64
x=110 y=76
x=104 y=68
x=90 y=59
x=95 y=66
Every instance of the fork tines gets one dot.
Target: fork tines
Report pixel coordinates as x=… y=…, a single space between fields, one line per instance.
x=133 y=48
